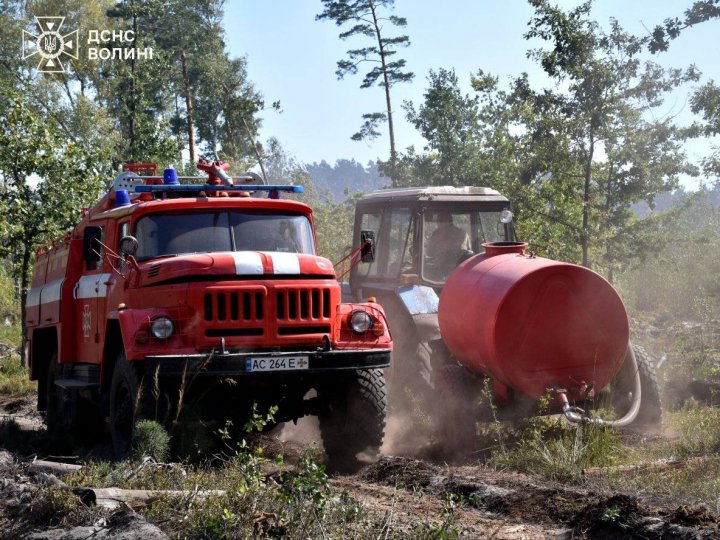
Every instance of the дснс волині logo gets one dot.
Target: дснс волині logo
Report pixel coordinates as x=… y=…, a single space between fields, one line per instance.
x=50 y=44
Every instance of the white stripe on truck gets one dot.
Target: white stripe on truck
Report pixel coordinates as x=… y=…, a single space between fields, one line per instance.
x=247 y=262
x=285 y=263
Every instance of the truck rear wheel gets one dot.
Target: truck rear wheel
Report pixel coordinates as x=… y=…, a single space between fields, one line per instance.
x=55 y=400
x=354 y=421
x=124 y=402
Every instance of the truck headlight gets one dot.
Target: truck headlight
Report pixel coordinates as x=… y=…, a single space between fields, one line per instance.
x=360 y=321
x=162 y=328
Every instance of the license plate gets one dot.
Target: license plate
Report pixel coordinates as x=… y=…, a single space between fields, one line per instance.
x=283 y=363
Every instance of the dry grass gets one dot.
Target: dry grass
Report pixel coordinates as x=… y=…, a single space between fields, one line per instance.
x=691 y=434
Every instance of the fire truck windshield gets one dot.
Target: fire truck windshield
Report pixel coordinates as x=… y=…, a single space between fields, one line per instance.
x=168 y=234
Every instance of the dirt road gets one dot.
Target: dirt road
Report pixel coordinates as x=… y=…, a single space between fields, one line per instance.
x=470 y=500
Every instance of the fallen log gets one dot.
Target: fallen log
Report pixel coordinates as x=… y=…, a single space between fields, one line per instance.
x=113 y=497
x=53 y=467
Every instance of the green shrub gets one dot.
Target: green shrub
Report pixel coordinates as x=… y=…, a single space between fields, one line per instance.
x=150 y=439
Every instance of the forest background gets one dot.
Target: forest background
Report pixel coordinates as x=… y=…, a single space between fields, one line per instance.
x=594 y=155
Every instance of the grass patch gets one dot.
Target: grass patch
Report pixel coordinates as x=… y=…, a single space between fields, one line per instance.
x=10 y=334
x=693 y=434
x=555 y=449
x=297 y=502
x=14 y=380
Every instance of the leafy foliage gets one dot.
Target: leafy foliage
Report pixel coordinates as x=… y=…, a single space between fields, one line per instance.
x=573 y=157
x=69 y=179
x=700 y=11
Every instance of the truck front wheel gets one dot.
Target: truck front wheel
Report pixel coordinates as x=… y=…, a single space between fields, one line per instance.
x=124 y=402
x=354 y=419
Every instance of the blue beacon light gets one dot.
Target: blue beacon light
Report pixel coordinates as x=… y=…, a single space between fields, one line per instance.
x=122 y=198
x=170 y=177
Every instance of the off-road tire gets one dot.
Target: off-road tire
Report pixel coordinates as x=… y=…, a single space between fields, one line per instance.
x=650 y=414
x=68 y=412
x=124 y=404
x=354 y=419
x=456 y=411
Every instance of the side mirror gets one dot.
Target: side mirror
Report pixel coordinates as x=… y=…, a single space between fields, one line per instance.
x=128 y=245
x=367 y=246
x=91 y=246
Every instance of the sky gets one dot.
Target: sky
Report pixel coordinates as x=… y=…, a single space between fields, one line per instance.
x=292 y=58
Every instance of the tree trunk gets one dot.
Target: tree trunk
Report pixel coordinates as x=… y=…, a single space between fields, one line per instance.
x=386 y=84
x=188 y=108
x=586 y=202
x=24 y=280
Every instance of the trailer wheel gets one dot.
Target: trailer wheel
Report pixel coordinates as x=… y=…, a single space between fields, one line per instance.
x=354 y=421
x=456 y=412
x=124 y=400
x=650 y=413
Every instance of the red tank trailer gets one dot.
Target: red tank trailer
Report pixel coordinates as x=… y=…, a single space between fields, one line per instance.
x=533 y=324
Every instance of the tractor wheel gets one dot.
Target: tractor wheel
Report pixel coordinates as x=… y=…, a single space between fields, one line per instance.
x=410 y=376
x=650 y=413
x=124 y=400
x=354 y=421
x=456 y=411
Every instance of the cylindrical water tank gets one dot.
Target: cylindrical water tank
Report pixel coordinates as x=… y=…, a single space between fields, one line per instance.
x=532 y=323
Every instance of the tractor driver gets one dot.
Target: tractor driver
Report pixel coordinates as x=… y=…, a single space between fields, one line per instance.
x=445 y=247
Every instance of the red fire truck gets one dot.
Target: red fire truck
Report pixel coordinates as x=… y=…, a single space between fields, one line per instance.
x=166 y=291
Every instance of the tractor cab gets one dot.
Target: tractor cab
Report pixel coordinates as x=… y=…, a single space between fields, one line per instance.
x=422 y=234
x=419 y=236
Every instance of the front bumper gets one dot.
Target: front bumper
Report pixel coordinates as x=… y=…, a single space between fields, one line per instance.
x=233 y=364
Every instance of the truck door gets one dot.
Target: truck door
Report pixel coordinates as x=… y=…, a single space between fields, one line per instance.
x=89 y=293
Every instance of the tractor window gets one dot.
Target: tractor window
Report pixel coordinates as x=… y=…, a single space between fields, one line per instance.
x=452 y=235
x=392 y=240
x=203 y=232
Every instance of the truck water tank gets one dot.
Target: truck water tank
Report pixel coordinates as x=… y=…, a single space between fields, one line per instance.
x=533 y=323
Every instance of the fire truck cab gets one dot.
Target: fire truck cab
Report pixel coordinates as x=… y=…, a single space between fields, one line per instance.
x=166 y=292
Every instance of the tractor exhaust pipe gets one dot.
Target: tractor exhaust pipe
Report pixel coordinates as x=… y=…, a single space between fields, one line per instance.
x=577 y=415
